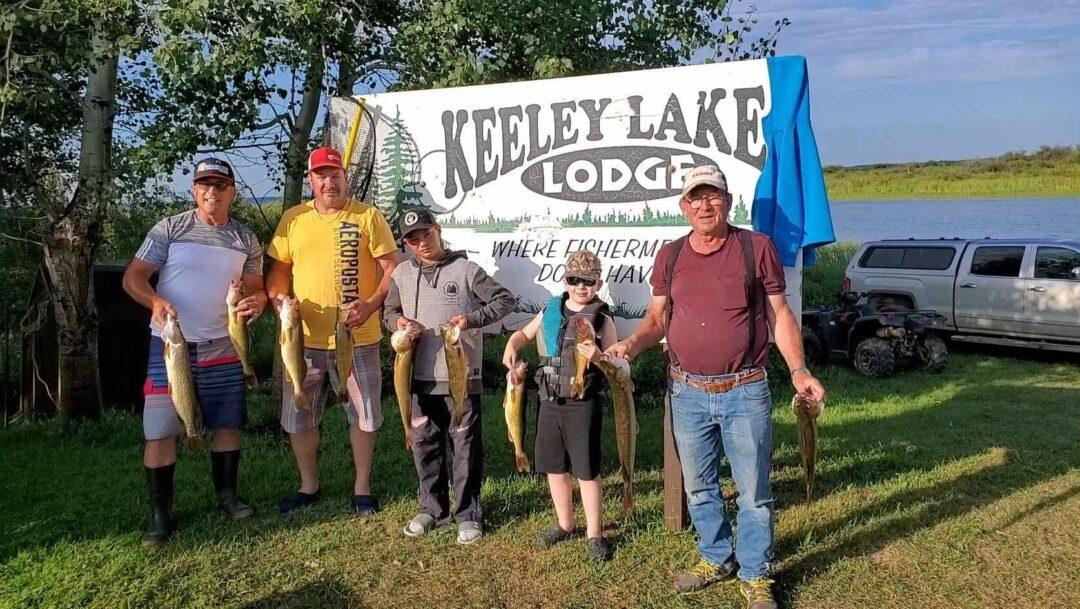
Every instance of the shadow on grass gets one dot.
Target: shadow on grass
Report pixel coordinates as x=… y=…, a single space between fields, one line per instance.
x=326 y=594
x=974 y=451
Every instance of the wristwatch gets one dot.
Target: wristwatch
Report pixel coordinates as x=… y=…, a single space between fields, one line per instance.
x=800 y=369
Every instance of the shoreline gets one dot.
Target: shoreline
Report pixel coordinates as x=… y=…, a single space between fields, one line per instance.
x=950 y=197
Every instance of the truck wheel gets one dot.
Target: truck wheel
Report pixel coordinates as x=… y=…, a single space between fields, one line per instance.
x=812 y=348
x=931 y=353
x=874 y=357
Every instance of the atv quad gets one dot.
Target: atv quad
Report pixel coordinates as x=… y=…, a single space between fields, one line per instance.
x=873 y=340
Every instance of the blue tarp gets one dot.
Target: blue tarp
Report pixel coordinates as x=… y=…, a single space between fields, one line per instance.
x=790 y=202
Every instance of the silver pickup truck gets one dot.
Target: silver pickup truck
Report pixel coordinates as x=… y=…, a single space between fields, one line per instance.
x=1022 y=292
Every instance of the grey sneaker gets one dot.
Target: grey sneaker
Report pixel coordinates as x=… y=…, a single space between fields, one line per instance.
x=702 y=575
x=469 y=532
x=757 y=593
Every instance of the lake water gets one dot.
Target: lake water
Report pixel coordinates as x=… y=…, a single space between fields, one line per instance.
x=1053 y=218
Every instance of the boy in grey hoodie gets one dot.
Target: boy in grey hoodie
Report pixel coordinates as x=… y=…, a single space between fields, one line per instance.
x=437 y=287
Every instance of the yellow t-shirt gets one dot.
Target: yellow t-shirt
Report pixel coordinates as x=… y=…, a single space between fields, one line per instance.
x=333 y=262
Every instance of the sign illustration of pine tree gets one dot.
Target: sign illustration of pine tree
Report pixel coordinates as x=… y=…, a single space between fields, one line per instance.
x=740 y=215
x=397 y=173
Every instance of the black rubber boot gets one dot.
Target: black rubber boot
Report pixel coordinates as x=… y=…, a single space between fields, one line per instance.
x=160 y=481
x=225 y=466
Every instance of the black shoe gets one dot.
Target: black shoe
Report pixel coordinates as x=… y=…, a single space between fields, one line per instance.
x=224 y=466
x=365 y=505
x=297 y=500
x=160 y=482
x=598 y=549
x=554 y=535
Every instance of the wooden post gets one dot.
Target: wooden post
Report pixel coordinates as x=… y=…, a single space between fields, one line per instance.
x=676 y=516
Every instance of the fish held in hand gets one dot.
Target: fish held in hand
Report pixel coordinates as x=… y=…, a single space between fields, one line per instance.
x=343 y=351
x=291 y=339
x=621 y=387
x=182 y=382
x=404 y=342
x=457 y=371
x=583 y=334
x=514 y=411
x=239 y=334
x=807 y=411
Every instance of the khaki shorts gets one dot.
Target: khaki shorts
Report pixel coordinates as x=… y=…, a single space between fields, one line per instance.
x=365 y=390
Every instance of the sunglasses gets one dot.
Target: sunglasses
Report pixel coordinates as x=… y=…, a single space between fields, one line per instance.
x=576 y=281
x=417 y=236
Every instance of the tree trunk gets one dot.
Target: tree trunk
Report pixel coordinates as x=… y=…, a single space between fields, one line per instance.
x=300 y=134
x=70 y=248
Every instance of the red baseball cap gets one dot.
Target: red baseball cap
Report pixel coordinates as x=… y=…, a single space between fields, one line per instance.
x=324 y=157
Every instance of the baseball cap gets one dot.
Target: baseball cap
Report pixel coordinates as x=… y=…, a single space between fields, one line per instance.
x=584 y=264
x=704 y=174
x=211 y=167
x=416 y=218
x=324 y=157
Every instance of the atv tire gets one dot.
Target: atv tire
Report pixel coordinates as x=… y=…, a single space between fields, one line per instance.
x=930 y=353
x=874 y=358
x=813 y=350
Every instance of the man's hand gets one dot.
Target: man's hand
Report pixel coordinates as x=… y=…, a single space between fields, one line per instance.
x=358 y=311
x=590 y=351
x=806 y=384
x=459 y=321
x=158 y=310
x=403 y=323
x=510 y=358
x=252 y=307
x=621 y=350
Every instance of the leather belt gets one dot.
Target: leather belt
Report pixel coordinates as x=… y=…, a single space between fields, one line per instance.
x=718 y=386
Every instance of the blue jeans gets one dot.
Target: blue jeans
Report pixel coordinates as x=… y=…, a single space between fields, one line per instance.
x=742 y=419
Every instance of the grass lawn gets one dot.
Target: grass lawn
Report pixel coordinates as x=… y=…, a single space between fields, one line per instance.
x=960 y=489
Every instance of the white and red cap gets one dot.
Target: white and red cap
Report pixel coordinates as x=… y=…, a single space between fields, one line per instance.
x=703 y=174
x=324 y=157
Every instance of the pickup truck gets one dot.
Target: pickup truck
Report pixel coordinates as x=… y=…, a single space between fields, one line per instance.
x=1015 y=292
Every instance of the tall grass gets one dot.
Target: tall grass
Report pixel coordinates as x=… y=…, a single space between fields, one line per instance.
x=823 y=280
x=1050 y=171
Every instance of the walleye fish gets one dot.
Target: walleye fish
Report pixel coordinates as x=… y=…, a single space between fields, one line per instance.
x=457 y=370
x=343 y=348
x=238 y=332
x=617 y=371
x=514 y=410
x=583 y=333
x=806 y=412
x=403 y=342
x=292 y=351
x=181 y=382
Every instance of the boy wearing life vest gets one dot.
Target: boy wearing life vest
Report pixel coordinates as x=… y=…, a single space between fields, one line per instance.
x=568 y=427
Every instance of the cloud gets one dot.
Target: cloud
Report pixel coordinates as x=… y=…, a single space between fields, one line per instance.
x=929 y=40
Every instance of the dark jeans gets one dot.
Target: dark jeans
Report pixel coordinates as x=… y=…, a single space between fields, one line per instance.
x=430 y=428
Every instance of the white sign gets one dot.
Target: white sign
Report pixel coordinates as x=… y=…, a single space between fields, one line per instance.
x=521 y=174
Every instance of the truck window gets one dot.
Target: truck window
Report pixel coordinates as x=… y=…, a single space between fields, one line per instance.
x=997 y=261
x=1057 y=263
x=917 y=258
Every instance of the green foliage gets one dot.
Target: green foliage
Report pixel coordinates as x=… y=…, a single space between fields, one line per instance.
x=824 y=280
x=1049 y=171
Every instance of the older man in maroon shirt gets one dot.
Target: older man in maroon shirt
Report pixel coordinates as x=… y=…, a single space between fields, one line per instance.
x=716 y=295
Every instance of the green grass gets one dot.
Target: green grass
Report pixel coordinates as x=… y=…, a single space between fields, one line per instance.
x=960 y=489
x=1047 y=172
x=824 y=280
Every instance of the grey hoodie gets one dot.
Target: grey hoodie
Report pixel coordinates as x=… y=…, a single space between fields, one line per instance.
x=432 y=294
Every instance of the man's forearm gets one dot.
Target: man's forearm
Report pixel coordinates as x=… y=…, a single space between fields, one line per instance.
x=648 y=333
x=789 y=339
x=278 y=280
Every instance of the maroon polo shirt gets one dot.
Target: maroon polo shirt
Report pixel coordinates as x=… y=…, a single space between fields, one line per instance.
x=708 y=332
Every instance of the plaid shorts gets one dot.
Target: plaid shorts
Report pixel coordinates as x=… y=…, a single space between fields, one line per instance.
x=219 y=387
x=365 y=390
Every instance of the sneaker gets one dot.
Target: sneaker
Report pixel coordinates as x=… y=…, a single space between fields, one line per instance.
x=554 y=535
x=757 y=593
x=365 y=505
x=297 y=500
x=469 y=532
x=598 y=549
x=702 y=575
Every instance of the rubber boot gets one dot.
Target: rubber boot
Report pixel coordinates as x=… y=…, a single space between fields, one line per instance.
x=225 y=466
x=160 y=482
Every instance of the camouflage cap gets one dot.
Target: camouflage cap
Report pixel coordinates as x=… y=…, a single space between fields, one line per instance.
x=584 y=264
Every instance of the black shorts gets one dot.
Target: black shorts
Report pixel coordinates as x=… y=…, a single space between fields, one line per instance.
x=568 y=437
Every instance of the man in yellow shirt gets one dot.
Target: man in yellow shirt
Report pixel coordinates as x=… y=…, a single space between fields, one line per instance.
x=329 y=252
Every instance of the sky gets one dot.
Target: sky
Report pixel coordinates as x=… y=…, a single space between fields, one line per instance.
x=916 y=80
